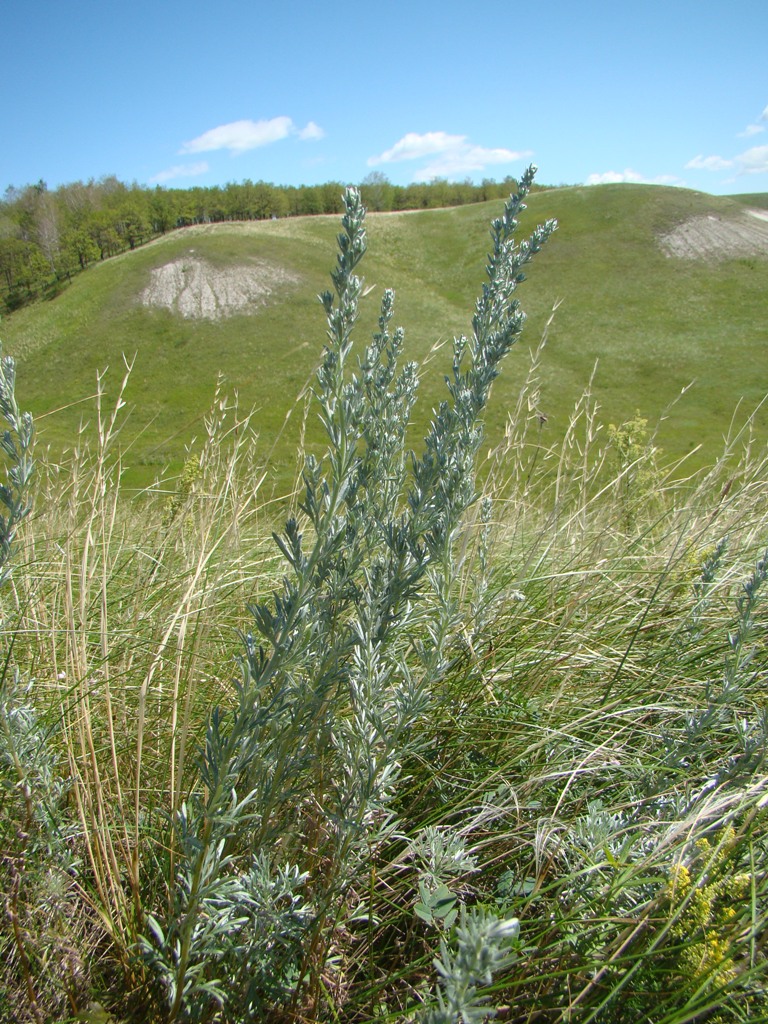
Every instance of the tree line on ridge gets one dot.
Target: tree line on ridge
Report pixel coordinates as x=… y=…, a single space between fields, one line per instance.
x=49 y=235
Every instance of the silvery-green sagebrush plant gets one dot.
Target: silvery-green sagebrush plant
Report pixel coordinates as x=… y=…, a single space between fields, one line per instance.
x=298 y=782
x=16 y=443
x=29 y=787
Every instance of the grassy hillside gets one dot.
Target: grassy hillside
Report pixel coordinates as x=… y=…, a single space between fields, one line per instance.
x=650 y=323
x=754 y=199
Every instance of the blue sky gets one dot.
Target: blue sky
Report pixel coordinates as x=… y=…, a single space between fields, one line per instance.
x=295 y=92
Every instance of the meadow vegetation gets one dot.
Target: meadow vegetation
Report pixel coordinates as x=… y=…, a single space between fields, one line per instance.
x=447 y=745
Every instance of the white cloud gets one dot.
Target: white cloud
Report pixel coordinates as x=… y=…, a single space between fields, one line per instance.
x=180 y=171
x=312 y=132
x=613 y=177
x=755 y=129
x=472 y=158
x=634 y=177
x=240 y=136
x=753 y=161
x=452 y=155
x=414 y=147
x=708 y=163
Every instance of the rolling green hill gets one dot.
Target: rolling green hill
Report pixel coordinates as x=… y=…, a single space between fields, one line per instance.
x=651 y=323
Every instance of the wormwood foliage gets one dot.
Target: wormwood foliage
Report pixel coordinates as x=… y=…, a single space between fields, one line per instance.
x=16 y=443
x=299 y=783
x=29 y=787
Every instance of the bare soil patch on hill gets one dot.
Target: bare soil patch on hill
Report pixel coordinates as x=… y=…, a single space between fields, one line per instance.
x=194 y=288
x=718 y=238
